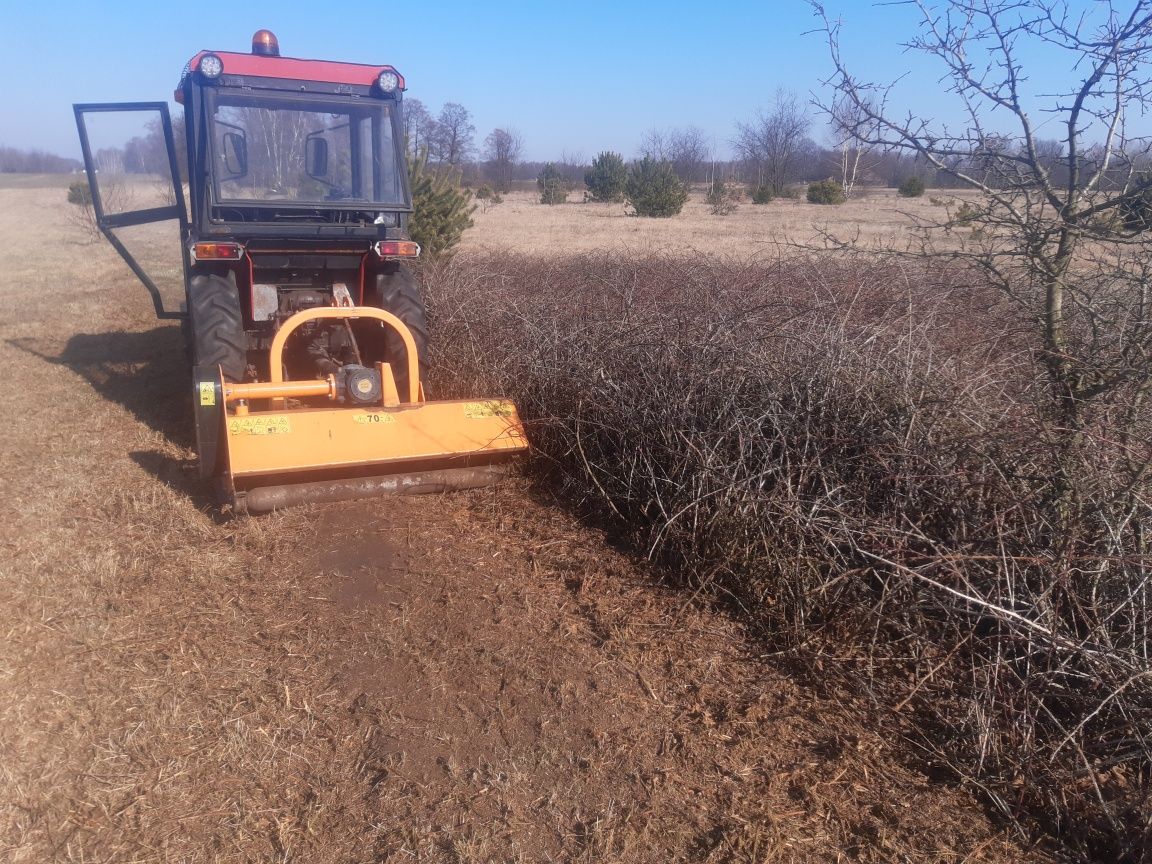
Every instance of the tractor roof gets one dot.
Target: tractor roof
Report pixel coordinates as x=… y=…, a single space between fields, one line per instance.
x=261 y=64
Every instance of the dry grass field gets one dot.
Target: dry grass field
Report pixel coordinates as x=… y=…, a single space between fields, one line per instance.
x=876 y=217
x=468 y=678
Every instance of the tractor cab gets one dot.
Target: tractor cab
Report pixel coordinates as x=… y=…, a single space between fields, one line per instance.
x=287 y=148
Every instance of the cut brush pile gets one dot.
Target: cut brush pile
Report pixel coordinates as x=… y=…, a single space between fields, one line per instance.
x=855 y=457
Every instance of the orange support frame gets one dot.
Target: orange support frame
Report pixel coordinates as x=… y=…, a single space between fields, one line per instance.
x=276 y=352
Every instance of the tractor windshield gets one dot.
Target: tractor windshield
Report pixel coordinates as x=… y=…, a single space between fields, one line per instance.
x=302 y=150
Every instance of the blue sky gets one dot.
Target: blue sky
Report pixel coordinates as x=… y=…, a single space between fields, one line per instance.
x=571 y=77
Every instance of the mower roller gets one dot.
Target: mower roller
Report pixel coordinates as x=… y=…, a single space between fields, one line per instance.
x=305 y=326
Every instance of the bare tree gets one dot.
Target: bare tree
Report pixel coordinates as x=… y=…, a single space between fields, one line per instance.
x=275 y=145
x=1050 y=154
x=110 y=160
x=572 y=164
x=573 y=158
x=418 y=124
x=502 y=149
x=1050 y=246
x=148 y=153
x=772 y=143
x=451 y=136
x=686 y=149
x=854 y=159
x=653 y=146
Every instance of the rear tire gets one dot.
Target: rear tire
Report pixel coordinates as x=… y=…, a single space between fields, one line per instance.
x=217 y=324
x=398 y=292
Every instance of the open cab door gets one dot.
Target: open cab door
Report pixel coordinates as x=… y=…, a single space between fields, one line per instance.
x=135 y=180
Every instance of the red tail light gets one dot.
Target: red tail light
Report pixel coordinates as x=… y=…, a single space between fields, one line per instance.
x=397 y=249
x=217 y=252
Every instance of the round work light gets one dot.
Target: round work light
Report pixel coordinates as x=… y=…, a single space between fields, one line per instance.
x=211 y=66
x=388 y=81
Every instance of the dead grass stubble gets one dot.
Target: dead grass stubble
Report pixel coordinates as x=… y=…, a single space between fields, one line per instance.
x=855 y=455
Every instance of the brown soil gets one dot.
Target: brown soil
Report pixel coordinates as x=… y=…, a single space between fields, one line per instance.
x=463 y=678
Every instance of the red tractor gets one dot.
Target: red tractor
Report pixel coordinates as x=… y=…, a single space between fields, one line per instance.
x=305 y=327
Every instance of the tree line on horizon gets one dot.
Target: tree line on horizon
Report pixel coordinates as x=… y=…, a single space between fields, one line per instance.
x=772 y=150
x=14 y=160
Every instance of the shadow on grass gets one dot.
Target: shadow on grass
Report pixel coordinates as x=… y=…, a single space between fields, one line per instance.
x=146 y=373
x=182 y=475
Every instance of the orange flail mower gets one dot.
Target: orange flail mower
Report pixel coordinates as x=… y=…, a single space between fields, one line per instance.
x=305 y=326
x=372 y=441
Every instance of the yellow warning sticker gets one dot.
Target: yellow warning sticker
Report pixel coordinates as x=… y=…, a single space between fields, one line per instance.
x=482 y=410
x=277 y=424
x=373 y=418
x=207 y=393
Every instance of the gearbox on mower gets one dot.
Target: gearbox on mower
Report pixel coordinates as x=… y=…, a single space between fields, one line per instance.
x=305 y=326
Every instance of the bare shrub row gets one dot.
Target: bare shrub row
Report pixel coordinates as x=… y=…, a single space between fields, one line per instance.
x=856 y=456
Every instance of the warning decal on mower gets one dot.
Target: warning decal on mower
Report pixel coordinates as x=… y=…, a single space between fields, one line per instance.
x=275 y=425
x=375 y=418
x=207 y=393
x=482 y=410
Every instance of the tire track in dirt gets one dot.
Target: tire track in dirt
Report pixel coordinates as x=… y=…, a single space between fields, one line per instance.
x=532 y=695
